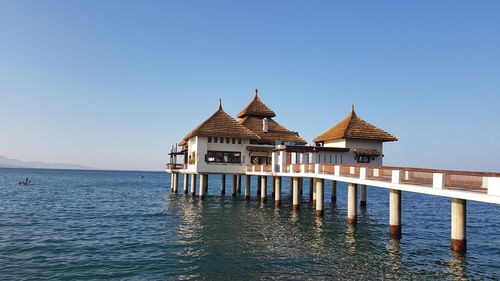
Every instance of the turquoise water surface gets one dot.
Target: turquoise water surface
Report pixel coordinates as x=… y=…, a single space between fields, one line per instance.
x=112 y=225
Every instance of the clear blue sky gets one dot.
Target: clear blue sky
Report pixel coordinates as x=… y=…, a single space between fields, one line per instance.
x=112 y=84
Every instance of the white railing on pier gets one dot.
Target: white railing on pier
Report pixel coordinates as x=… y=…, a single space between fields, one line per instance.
x=483 y=182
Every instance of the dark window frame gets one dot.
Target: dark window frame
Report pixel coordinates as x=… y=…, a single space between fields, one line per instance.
x=225 y=157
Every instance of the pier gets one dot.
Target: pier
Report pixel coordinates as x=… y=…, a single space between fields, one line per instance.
x=350 y=152
x=459 y=186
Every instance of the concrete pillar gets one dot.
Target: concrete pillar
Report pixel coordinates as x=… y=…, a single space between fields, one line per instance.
x=320 y=191
x=238 y=184
x=193 y=184
x=277 y=191
x=458 y=225
x=301 y=184
x=352 y=202
x=296 y=194
x=248 y=183
x=233 y=187
x=259 y=184
x=263 y=191
x=311 y=187
x=334 y=191
x=314 y=193
x=395 y=213
x=186 y=183
x=273 y=186
x=206 y=183
x=176 y=182
x=203 y=180
x=291 y=187
x=223 y=184
x=362 y=194
x=172 y=183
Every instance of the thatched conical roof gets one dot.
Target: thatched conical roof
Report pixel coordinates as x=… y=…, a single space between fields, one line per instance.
x=353 y=127
x=256 y=108
x=221 y=124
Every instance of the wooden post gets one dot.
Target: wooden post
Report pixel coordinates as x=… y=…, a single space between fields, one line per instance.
x=296 y=195
x=193 y=184
x=223 y=184
x=458 y=225
x=277 y=192
x=320 y=190
x=352 y=202
x=248 y=183
x=395 y=213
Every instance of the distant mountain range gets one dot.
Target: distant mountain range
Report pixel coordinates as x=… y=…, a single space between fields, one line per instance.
x=14 y=163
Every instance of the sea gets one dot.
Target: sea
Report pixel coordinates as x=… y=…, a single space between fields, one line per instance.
x=126 y=225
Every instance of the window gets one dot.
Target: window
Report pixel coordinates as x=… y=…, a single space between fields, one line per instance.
x=215 y=139
x=222 y=157
x=209 y=139
x=239 y=141
x=233 y=140
x=227 y=140
x=363 y=159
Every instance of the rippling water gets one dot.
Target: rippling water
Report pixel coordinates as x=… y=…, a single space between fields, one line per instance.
x=95 y=225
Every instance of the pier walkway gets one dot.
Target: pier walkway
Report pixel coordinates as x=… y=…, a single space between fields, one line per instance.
x=460 y=186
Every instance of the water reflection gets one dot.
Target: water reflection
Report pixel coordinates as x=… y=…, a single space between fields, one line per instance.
x=457 y=266
x=350 y=238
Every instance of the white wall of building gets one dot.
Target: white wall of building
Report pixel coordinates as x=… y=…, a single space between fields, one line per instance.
x=200 y=146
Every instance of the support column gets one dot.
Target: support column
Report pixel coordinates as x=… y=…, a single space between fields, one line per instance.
x=334 y=191
x=203 y=180
x=458 y=225
x=362 y=192
x=259 y=184
x=206 y=183
x=223 y=184
x=186 y=183
x=277 y=191
x=352 y=202
x=273 y=186
x=311 y=187
x=263 y=191
x=320 y=191
x=248 y=183
x=395 y=213
x=193 y=184
x=291 y=187
x=233 y=187
x=296 y=195
x=314 y=193
x=176 y=182
x=172 y=182
x=238 y=184
x=301 y=184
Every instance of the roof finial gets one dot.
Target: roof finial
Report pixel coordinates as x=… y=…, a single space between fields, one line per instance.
x=220 y=104
x=256 y=92
x=352 y=109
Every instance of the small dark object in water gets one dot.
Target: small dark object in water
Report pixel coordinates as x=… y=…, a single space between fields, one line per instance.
x=141 y=176
x=27 y=181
